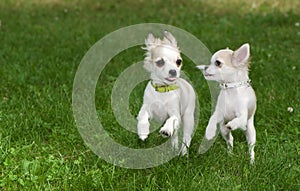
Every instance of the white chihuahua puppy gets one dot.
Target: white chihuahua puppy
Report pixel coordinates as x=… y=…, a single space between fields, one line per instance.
x=236 y=103
x=167 y=97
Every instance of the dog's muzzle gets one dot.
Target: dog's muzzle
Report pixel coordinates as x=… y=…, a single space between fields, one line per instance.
x=173 y=73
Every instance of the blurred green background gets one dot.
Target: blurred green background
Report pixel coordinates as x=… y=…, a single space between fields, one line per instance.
x=42 y=44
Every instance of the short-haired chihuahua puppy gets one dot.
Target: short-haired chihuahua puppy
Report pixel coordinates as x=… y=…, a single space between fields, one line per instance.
x=167 y=97
x=236 y=102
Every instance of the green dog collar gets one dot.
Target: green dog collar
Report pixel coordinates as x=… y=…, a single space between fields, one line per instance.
x=164 y=88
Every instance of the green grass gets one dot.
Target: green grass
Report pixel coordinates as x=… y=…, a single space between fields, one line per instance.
x=41 y=47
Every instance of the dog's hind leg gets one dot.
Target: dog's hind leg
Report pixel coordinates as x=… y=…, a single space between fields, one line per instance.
x=188 y=129
x=251 y=137
x=227 y=136
x=174 y=140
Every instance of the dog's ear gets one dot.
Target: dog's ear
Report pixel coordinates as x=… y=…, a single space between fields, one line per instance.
x=169 y=39
x=150 y=40
x=241 y=55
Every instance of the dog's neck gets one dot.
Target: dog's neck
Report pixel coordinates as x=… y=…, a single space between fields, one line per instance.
x=161 y=86
x=164 y=88
x=233 y=85
x=239 y=79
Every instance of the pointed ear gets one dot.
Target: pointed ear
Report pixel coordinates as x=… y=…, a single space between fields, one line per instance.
x=241 y=55
x=150 y=40
x=170 y=38
x=201 y=67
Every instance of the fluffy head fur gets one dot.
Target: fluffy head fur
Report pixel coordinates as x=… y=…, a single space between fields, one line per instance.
x=163 y=58
x=228 y=65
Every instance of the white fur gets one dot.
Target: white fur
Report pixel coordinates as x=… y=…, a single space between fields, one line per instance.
x=173 y=107
x=236 y=106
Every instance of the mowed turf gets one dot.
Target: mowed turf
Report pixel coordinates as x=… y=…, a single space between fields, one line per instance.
x=42 y=44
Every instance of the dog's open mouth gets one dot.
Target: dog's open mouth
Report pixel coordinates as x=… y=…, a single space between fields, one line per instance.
x=207 y=74
x=171 y=79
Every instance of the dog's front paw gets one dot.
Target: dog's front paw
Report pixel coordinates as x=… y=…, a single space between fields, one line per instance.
x=210 y=133
x=228 y=126
x=233 y=125
x=143 y=137
x=143 y=130
x=168 y=129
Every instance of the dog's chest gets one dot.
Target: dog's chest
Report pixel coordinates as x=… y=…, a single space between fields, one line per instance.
x=158 y=111
x=160 y=104
x=228 y=105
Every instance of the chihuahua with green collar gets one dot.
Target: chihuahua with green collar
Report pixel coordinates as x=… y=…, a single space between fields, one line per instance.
x=167 y=97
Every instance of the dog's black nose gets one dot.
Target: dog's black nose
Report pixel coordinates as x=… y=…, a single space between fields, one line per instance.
x=173 y=73
x=205 y=68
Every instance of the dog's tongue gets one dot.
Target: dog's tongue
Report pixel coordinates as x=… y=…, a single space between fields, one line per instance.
x=171 y=79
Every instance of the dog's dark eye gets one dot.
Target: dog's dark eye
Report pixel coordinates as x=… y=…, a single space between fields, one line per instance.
x=178 y=62
x=218 y=63
x=160 y=62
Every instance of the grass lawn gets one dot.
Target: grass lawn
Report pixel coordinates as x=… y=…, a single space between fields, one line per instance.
x=42 y=44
